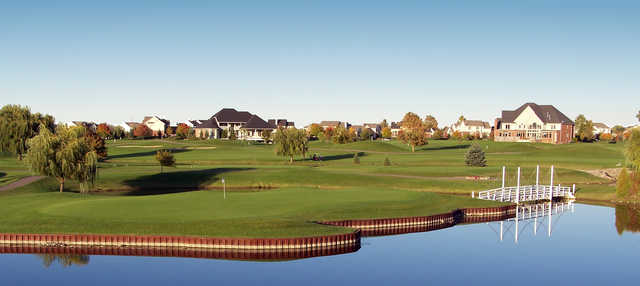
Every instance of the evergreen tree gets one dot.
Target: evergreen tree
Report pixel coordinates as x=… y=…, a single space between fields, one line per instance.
x=475 y=156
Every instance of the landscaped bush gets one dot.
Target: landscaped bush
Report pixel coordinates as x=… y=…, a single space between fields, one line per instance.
x=387 y=162
x=475 y=156
x=165 y=158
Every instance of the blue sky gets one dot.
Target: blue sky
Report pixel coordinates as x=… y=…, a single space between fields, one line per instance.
x=356 y=61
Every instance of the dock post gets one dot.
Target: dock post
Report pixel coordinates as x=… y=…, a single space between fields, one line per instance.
x=551 y=185
x=503 y=173
x=573 y=190
x=549 y=232
x=517 y=210
x=518 y=188
x=537 y=182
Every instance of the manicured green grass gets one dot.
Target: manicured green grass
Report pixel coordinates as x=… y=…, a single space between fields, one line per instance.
x=143 y=201
x=287 y=212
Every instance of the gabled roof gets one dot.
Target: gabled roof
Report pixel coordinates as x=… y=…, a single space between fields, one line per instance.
x=394 y=125
x=477 y=123
x=132 y=124
x=230 y=115
x=329 y=123
x=255 y=122
x=371 y=125
x=546 y=113
x=209 y=123
x=600 y=125
x=147 y=118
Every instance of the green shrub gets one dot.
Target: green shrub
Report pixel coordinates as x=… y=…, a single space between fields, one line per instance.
x=387 y=162
x=475 y=156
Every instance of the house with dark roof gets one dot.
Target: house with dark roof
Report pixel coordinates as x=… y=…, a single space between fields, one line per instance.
x=478 y=128
x=243 y=124
x=534 y=123
x=395 y=129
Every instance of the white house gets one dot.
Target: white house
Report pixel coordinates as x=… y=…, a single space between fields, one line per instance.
x=600 y=128
x=472 y=127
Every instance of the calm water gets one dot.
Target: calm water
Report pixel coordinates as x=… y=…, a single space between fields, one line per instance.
x=588 y=246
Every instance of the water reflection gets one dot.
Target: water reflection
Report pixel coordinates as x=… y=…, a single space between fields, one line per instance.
x=531 y=219
x=65 y=260
x=627 y=219
x=527 y=219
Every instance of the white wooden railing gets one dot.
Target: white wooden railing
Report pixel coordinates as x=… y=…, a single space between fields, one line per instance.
x=526 y=193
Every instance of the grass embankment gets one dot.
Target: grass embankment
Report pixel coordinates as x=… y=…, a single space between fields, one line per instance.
x=287 y=212
x=147 y=202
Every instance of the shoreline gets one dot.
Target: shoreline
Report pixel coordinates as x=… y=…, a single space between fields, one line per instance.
x=249 y=248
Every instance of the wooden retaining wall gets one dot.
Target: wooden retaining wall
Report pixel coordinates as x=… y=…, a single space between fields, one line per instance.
x=233 y=254
x=389 y=226
x=103 y=240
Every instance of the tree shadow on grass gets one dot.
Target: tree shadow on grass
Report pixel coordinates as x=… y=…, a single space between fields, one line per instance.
x=337 y=157
x=142 y=154
x=453 y=147
x=2 y=174
x=176 y=182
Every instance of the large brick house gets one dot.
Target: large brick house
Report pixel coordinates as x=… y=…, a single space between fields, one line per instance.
x=534 y=123
x=245 y=125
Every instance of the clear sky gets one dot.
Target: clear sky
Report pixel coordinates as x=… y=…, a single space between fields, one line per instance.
x=356 y=61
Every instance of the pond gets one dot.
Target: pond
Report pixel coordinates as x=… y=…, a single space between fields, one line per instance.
x=588 y=245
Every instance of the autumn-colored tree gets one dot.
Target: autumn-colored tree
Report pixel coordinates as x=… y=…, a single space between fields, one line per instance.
x=315 y=130
x=430 y=122
x=169 y=131
x=366 y=134
x=585 y=132
x=165 y=158
x=384 y=124
x=341 y=135
x=605 y=136
x=142 y=131
x=182 y=131
x=103 y=131
x=386 y=132
x=461 y=118
x=328 y=133
x=413 y=133
x=623 y=184
x=97 y=144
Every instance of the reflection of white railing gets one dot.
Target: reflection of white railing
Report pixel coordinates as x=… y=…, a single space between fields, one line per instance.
x=533 y=216
x=527 y=193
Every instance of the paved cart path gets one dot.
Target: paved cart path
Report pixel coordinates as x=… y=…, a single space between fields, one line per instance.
x=21 y=182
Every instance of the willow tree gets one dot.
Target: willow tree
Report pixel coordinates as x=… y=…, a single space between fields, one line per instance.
x=18 y=125
x=63 y=155
x=290 y=142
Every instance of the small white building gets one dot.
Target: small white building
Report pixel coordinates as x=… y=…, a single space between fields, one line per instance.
x=472 y=127
x=601 y=128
